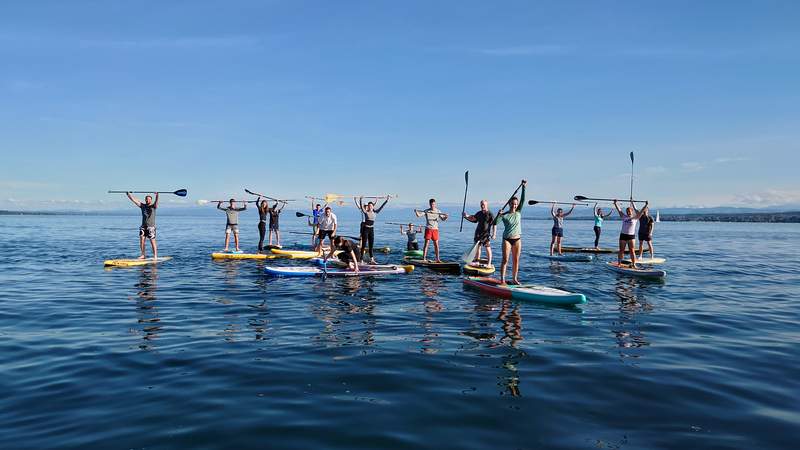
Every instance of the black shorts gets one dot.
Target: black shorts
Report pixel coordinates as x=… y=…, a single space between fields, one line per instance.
x=147 y=232
x=323 y=233
x=557 y=232
x=412 y=246
x=273 y=226
x=511 y=241
x=482 y=238
x=646 y=238
x=626 y=237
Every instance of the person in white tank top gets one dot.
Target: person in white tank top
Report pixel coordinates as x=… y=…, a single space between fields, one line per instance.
x=627 y=237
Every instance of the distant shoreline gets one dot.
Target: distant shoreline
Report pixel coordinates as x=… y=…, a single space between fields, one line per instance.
x=765 y=217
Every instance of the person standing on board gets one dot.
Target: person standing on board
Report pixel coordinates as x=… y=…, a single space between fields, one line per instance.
x=557 y=232
x=627 y=237
x=148 y=228
x=411 y=234
x=263 y=210
x=432 y=217
x=512 y=235
x=598 y=224
x=484 y=230
x=646 y=225
x=327 y=228
x=313 y=222
x=369 y=212
x=349 y=252
x=274 y=215
x=232 y=225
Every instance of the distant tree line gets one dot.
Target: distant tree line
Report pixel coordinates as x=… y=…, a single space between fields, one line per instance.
x=777 y=217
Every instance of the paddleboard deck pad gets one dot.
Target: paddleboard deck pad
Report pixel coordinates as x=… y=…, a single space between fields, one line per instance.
x=310 y=271
x=573 y=257
x=640 y=272
x=529 y=292
x=444 y=266
x=478 y=269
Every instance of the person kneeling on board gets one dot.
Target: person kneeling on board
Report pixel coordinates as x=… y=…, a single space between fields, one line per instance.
x=148 y=227
x=483 y=232
x=232 y=224
x=411 y=234
x=349 y=252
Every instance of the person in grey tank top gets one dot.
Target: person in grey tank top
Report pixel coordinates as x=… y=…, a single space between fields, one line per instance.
x=148 y=228
x=232 y=225
x=557 y=232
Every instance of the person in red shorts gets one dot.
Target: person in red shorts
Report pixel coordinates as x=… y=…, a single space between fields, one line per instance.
x=432 y=218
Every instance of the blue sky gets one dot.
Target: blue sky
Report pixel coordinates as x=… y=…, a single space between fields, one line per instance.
x=302 y=97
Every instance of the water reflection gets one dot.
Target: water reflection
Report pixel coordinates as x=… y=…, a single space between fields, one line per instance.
x=346 y=308
x=430 y=285
x=146 y=307
x=632 y=302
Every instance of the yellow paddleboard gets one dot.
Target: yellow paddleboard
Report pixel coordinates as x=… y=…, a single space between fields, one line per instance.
x=224 y=255
x=134 y=262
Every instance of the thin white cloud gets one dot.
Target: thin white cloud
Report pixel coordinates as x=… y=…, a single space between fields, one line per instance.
x=731 y=159
x=769 y=197
x=20 y=185
x=525 y=50
x=692 y=166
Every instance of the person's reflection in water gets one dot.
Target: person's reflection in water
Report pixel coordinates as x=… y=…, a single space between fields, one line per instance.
x=512 y=335
x=146 y=308
x=340 y=307
x=626 y=329
x=430 y=289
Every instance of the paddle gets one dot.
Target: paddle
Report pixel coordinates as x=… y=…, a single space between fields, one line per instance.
x=533 y=202
x=179 y=192
x=581 y=198
x=631 y=175
x=204 y=202
x=398 y=223
x=464 y=205
x=267 y=197
x=311 y=234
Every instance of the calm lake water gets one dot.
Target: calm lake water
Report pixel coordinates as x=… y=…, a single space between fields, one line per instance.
x=202 y=354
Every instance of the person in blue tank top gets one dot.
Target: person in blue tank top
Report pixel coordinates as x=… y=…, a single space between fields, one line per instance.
x=558 y=227
x=598 y=224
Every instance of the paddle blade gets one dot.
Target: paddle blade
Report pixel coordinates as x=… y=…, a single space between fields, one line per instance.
x=579 y=198
x=466 y=177
x=532 y=202
x=631 y=157
x=470 y=255
x=299 y=214
x=181 y=192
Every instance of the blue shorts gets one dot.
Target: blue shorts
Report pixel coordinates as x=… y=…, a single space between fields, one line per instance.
x=558 y=232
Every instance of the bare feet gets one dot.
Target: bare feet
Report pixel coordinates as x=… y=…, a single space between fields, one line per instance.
x=142 y=257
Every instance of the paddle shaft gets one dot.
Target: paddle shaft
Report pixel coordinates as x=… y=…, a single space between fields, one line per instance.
x=607 y=199
x=533 y=202
x=464 y=205
x=181 y=192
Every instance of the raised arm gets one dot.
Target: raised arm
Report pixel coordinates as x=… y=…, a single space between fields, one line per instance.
x=636 y=212
x=594 y=211
x=619 y=210
x=470 y=217
x=133 y=199
x=419 y=213
x=522 y=197
x=553 y=210
x=381 y=207
x=219 y=206
x=570 y=210
x=359 y=201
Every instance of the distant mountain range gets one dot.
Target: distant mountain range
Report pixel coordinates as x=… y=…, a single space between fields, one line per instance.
x=405 y=214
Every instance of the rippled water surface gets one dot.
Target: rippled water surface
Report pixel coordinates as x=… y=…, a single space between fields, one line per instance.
x=214 y=354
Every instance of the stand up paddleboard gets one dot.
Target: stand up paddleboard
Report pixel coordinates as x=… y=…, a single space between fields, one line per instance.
x=529 y=292
x=478 y=268
x=444 y=266
x=653 y=260
x=242 y=255
x=413 y=253
x=640 y=272
x=573 y=257
x=134 y=262
x=335 y=272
